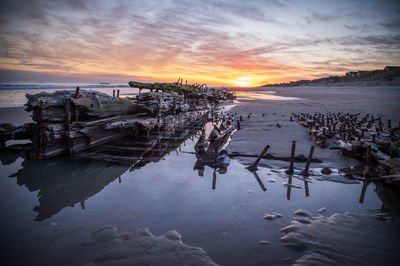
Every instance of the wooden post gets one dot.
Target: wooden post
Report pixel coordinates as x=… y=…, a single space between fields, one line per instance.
x=389 y=124
x=77 y=92
x=238 y=125
x=117 y=93
x=68 y=125
x=290 y=171
x=114 y=93
x=305 y=172
x=253 y=167
x=241 y=118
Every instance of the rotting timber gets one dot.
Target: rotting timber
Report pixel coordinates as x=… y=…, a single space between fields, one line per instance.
x=94 y=125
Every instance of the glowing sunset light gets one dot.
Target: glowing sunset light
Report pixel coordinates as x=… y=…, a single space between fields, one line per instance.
x=229 y=43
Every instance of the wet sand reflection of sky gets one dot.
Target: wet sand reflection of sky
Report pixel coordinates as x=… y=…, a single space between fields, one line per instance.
x=262 y=95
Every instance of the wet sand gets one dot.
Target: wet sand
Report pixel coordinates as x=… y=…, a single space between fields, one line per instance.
x=258 y=130
x=328 y=241
x=14 y=115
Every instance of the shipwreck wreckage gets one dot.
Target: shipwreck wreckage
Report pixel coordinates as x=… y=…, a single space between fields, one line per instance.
x=94 y=125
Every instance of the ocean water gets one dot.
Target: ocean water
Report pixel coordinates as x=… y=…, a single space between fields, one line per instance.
x=13 y=94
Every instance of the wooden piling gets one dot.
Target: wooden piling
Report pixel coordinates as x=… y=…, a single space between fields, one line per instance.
x=117 y=93
x=77 y=92
x=238 y=125
x=68 y=125
x=241 y=118
x=292 y=153
x=253 y=167
x=114 y=93
x=389 y=124
x=305 y=172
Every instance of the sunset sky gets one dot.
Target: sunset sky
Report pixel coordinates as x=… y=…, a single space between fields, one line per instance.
x=233 y=43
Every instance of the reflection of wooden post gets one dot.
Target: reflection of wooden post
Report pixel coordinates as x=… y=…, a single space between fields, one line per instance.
x=259 y=181
x=309 y=160
x=214 y=183
x=306 y=187
x=253 y=167
x=363 y=190
x=289 y=187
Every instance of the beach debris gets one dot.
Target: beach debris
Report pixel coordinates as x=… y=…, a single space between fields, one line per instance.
x=249 y=191
x=264 y=242
x=302 y=212
x=352 y=134
x=323 y=209
x=326 y=171
x=271 y=180
x=76 y=122
x=299 y=158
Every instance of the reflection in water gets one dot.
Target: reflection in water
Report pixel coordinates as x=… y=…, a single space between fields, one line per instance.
x=209 y=151
x=363 y=190
x=62 y=183
x=263 y=188
x=262 y=95
x=289 y=187
x=306 y=187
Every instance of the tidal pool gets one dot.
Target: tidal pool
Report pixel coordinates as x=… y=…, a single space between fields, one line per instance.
x=50 y=207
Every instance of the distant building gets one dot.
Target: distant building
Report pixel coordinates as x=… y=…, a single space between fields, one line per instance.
x=389 y=68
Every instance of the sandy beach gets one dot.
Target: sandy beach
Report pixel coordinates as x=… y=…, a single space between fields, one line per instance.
x=260 y=129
